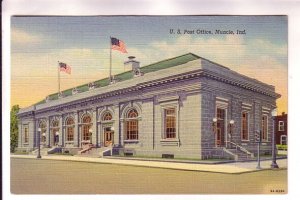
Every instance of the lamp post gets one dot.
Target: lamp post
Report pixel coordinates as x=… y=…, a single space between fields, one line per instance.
x=274 y=164
x=90 y=132
x=39 y=145
x=258 y=140
x=231 y=123
x=214 y=126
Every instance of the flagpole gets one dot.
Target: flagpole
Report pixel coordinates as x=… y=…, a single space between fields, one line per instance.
x=58 y=79
x=110 y=79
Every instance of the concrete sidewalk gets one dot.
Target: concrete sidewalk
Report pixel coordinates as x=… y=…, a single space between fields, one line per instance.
x=231 y=168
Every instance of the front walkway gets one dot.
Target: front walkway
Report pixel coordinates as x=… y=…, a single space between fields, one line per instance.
x=231 y=168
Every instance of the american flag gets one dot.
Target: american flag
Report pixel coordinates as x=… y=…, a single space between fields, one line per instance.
x=118 y=45
x=63 y=67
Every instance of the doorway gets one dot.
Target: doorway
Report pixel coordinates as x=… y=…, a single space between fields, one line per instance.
x=55 y=137
x=220 y=135
x=108 y=136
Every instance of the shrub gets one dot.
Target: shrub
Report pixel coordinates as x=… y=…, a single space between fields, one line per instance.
x=281 y=147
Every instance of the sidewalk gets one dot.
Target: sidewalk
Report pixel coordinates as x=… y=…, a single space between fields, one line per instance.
x=231 y=168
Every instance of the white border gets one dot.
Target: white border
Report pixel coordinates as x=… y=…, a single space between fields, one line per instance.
x=160 y=7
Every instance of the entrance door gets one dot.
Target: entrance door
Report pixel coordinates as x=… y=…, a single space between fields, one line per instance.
x=55 y=136
x=108 y=136
x=220 y=137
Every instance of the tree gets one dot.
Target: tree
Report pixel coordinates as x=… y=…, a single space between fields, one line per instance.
x=14 y=128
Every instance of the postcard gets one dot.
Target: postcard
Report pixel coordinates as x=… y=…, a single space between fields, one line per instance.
x=149 y=104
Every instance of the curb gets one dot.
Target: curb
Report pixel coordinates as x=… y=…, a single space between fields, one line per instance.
x=63 y=158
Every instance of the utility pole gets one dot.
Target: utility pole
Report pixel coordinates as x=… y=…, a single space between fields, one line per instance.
x=258 y=141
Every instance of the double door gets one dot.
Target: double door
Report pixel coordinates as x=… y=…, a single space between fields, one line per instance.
x=220 y=134
x=108 y=136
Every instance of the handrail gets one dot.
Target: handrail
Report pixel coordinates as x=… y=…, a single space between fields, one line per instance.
x=229 y=152
x=240 y=147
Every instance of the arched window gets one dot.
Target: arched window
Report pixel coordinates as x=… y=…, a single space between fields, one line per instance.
x=70 y=129
x=132 y=125
x=87 y=124
x=86 y=119
x=107 y=116
x=55 y=123
x=43 y=128
x=132 y=113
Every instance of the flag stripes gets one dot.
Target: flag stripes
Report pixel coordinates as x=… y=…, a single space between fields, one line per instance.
x=118 y=45
x=63 y=67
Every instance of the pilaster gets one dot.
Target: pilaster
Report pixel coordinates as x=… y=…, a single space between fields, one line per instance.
x=94 y=127
x=76 y=131
x=61 y=131
x=48 y=131
x=116 y=124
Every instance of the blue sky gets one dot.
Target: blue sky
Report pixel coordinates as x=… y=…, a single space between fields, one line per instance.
x=83 y=42
x=94 y=32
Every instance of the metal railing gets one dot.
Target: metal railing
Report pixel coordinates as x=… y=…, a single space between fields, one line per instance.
x=241 y=149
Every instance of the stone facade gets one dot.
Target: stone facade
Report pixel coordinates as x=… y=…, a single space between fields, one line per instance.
x=193 y=92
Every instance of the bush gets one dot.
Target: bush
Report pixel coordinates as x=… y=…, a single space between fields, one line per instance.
x=281 y=147
x=14 y=128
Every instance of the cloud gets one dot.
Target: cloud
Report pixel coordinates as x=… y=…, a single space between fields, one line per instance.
x=244 y=56
x=259 y=59
x=22 y=37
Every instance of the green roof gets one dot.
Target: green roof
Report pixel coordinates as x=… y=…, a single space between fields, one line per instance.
x=171 y=62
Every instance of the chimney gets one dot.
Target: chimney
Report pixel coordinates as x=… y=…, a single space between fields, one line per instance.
x=133 y=65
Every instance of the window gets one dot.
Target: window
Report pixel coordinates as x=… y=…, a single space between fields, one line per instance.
x=132 y=125
x=107 y=116
x=245 y=126
x=86 y=132
x=283 y=140
x=281 y=126
x=70 y=129
x=86 y=120
x=264 y=128
x=26 y=134
x=55 y=123
x=170 y=123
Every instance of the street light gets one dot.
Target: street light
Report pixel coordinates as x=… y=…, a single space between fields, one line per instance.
x=39 y=145
x=214 y=124
x=274 y=164
x=90 y=132
x=231 y=124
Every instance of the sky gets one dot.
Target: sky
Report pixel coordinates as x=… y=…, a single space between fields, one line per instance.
x=38 y=43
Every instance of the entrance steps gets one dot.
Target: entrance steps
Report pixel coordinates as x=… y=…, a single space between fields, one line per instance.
x=92 y=151
x=239 y=154
x=54 y=150
x=44 y=151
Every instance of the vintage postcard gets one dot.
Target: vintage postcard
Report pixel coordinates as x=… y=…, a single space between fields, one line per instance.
x=149 y=104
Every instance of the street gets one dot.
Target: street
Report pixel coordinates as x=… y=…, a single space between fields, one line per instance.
x=32 y=176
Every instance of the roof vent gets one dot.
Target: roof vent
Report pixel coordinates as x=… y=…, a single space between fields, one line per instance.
x=91 y=85
x=133 y=65
x=74 y=91
x=60 y=95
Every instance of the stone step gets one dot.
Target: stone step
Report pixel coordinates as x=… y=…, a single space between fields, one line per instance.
x=241 y=156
